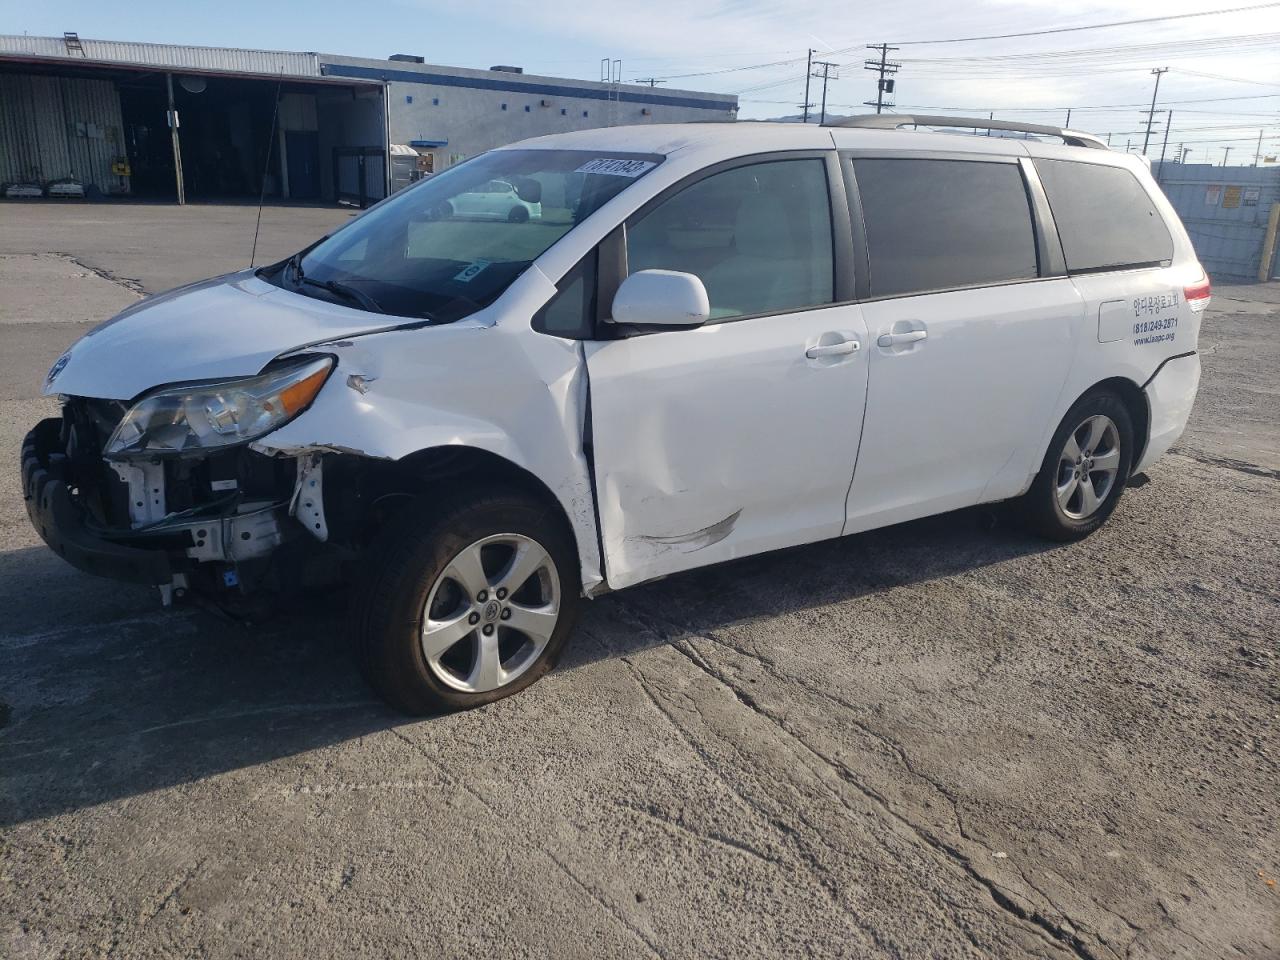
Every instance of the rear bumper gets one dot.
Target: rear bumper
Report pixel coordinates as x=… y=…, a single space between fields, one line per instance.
x=61 y=524
x=1170 y=396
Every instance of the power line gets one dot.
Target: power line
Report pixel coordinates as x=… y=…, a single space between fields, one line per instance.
x=1092 y=26
x=1217 y=76
x=1002 y=36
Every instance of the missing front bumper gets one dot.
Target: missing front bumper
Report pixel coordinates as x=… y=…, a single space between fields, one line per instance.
x=61 y=524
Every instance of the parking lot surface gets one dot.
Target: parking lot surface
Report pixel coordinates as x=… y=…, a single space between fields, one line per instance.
x=944 y=739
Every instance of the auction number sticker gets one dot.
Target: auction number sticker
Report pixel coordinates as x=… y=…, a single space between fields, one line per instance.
x=616 y=168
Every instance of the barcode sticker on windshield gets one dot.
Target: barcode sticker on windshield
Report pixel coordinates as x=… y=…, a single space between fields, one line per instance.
x=616 y=168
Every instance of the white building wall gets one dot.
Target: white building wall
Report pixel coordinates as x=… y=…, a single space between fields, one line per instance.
x=467 y=112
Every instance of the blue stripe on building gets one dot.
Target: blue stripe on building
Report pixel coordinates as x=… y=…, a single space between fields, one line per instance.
x=510 y=86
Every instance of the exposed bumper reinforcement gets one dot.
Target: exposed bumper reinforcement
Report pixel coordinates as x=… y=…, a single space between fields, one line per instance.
x=61 y=524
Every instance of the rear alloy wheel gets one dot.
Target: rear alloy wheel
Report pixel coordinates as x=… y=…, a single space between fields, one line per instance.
x=1087 y=467
x=518 y=215
x=1084 y=471
x=465 y=600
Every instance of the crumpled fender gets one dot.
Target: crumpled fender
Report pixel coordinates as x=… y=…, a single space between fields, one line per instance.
x=494 y=386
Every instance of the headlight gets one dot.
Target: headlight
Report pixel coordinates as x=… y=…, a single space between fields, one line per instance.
x=206 y=416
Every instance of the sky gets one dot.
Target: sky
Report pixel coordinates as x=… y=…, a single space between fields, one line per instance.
x=1223 y=83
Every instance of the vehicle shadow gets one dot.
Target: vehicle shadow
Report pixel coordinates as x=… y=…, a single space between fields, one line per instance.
x=111 y=697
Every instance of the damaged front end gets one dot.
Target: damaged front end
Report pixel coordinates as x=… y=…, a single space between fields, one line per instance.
x=139 y=495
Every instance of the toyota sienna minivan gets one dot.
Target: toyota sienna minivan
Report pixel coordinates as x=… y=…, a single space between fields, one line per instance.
x=713 y=340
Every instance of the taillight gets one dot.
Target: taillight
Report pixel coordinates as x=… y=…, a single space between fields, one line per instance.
x=1198 y=294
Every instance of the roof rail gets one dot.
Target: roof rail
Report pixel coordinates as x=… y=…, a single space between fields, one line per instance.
x=892 y=121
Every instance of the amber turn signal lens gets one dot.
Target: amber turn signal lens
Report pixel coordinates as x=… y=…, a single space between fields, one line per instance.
x=296 y=396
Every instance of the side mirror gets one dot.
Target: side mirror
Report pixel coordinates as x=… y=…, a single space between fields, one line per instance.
x=528 y=189
x=664 y=298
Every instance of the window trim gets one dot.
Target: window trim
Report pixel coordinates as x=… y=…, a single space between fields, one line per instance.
x=614 y=268
x=538 y=323
x=1049 y=261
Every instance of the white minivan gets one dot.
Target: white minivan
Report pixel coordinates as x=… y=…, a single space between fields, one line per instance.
x=714 y=340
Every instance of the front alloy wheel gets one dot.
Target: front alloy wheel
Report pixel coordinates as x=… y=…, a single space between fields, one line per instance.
x=465 y=599
x=491 y=613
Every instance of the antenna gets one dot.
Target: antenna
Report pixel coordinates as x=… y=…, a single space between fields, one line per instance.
x=271 y=142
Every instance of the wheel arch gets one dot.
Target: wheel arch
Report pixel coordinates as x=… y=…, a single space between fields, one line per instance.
x=368 y=491
x=1135 y=401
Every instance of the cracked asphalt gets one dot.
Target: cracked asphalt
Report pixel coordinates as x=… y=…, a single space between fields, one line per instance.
x=943 y=739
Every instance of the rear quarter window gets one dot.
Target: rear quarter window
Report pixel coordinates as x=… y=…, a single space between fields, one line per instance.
x=1106 y=220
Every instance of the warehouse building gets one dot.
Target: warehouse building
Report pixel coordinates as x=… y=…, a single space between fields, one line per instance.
x=160 y=121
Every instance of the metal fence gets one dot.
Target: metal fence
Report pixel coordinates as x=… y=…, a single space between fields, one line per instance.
x=1225 y=209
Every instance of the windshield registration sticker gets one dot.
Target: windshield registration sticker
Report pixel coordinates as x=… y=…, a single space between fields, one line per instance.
x=616 y=168
x=471 y=271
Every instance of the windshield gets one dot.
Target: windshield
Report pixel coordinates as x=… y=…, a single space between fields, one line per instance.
x=448 y=246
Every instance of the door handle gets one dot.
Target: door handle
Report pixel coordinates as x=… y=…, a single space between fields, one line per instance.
x=901 y=339
x=841 y=349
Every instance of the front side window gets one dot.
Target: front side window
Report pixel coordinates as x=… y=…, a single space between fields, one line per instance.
x=1106 y=220
x=944 y=224
x=449 y=246
x=758 y=236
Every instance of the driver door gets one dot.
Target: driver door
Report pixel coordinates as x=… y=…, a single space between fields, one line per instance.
x=739 y=436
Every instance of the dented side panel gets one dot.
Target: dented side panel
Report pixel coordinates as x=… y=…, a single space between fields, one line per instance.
x=724 y=441
x=496 y=387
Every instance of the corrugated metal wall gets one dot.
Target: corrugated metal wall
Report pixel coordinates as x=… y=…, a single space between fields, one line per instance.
x=54 y=127
x=169 y=55
x=1225 y=211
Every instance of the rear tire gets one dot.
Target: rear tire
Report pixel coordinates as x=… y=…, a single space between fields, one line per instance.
x=438 y=621
x=1084 y=472
x=518 y=215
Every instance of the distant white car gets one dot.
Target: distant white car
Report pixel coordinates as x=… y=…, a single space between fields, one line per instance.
x=742 y=337
x=496 y=199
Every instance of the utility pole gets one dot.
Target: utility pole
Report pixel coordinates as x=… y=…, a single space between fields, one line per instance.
x=886 y=69
x=1168 y=122
x=1225 y=151
x=1067 y=125
x=808 y=72
x=1258 y=155
x=826 y=66
x=1159 y=72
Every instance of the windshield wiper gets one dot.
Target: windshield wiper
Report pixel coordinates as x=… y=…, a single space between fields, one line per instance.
x=336 y=287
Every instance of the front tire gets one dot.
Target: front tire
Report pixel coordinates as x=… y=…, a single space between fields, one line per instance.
x=465 y=603
x=1084 y=471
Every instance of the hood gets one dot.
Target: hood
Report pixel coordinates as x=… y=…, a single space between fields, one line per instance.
x=227 y=327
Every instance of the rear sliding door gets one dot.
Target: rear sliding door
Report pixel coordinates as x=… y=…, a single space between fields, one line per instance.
x=971 y=330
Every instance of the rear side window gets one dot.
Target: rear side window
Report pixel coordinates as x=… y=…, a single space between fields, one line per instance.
x=943 y=224
x=1106 y=220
